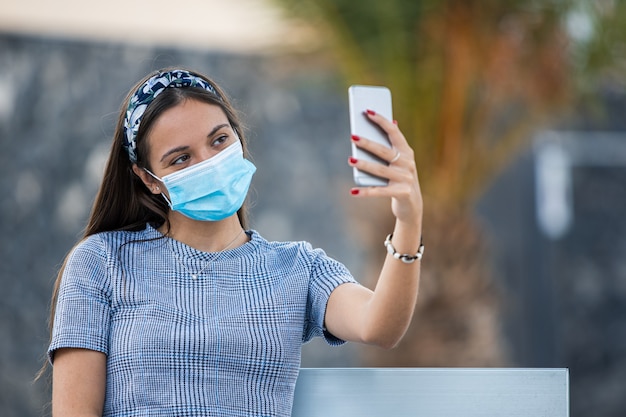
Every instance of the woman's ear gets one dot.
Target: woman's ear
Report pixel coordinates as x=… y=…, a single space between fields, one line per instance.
x=150 y=182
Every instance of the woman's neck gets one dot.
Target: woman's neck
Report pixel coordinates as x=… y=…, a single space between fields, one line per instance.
x=206 y=236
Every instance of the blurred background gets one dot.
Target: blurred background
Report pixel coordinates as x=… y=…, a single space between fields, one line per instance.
x=515 y=111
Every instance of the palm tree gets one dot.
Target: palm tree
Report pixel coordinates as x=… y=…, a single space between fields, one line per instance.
x=471 y=80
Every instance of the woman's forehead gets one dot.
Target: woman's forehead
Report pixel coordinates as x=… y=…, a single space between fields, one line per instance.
x=189 y=117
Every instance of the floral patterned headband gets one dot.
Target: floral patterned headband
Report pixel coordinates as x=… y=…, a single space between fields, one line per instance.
x=146 y=93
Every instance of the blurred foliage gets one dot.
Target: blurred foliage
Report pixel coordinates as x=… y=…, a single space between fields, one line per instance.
x=471 y=81
x=471 y=78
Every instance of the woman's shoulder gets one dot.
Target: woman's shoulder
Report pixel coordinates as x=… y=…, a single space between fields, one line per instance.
x=105 y=242
x=285 y=247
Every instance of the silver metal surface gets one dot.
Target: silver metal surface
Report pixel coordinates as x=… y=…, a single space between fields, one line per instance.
x=432 y=392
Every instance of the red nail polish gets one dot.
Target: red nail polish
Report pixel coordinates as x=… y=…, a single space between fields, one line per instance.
x=371 y=112
x=353 y=160
x=354 y=191
x=356 y=138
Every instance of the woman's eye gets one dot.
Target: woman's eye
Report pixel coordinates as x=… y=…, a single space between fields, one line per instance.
x=181 y=159
x=220 y=140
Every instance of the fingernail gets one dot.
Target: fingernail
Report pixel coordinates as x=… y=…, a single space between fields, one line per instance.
x=395 y=122
x=371 y=112
x=354 y=191
x=356 y=138
x=353 y=160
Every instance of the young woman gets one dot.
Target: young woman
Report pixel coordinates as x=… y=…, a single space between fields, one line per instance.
x=169 y=306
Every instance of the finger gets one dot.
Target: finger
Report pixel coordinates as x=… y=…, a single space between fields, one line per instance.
x=400 y=191
x=373 y=168
x=391 y=155
x=394 y=174
x=396 y=137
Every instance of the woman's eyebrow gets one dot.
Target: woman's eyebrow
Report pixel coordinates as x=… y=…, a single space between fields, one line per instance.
x=174 y=150
x=216 y=128
x=185 y=147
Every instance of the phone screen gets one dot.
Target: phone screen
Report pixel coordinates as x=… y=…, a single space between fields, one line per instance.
x=362 y=98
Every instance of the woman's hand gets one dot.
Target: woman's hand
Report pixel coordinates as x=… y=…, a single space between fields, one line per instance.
x=403 y=187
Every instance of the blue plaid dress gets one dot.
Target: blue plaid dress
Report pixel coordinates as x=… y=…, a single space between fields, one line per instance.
x=225 y=344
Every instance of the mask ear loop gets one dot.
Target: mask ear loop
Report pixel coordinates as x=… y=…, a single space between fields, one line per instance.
x=159 y=179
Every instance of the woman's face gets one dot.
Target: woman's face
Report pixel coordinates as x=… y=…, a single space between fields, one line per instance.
x=186 y=134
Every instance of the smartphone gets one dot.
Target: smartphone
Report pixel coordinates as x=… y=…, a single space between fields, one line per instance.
x=362 y=98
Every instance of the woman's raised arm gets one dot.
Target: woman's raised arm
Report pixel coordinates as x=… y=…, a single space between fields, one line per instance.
x=382 y=316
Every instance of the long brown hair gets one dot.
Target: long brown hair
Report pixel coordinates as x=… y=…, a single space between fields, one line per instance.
x=123 y=202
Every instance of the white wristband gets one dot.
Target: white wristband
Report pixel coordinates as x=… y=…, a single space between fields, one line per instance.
x=406 y=258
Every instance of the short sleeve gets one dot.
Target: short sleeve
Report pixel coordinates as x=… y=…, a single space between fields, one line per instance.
x=82 y=314
x=326 y=275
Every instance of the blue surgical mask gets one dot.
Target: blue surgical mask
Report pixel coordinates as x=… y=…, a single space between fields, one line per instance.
x=213 y=189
